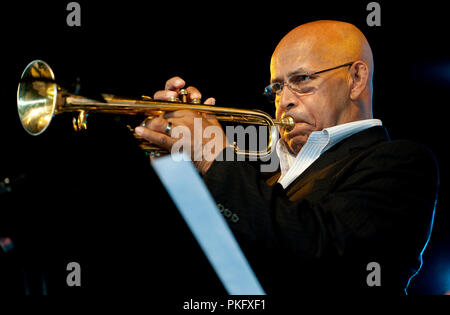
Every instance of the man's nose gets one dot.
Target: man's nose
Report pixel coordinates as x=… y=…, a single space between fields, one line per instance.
x=287 y=99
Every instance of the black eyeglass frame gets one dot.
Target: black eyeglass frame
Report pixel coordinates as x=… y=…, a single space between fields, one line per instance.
x=269 y=94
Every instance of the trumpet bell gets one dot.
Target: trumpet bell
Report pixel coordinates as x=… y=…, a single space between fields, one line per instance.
x=36 y=97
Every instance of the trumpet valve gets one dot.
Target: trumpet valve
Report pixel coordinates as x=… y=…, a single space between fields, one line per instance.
x=174 y=99
x=183 y=95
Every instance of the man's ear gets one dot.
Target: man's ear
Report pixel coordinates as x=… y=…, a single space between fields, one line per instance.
x=360 y=73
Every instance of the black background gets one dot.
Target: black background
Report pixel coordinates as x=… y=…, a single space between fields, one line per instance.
x=223 y=48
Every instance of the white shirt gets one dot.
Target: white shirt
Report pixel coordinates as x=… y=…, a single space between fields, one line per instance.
x=318 y=142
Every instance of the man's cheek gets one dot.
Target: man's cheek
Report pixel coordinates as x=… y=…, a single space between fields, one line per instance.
x=277 y=112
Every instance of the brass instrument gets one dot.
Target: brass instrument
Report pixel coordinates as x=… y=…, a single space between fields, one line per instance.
x=39 y=98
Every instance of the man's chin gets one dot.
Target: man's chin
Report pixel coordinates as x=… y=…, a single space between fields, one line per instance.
x=295 y=146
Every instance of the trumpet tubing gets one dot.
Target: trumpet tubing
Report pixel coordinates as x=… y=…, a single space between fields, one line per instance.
x=39 y=98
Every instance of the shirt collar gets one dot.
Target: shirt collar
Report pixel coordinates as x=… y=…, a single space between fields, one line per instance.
x=326 y=138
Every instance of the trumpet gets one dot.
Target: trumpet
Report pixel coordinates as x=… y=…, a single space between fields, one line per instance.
x=40 y=98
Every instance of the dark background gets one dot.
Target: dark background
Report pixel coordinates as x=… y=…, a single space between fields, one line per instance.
x=223 y=48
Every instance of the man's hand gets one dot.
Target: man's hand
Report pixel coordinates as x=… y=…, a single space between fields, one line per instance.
x=157 y=132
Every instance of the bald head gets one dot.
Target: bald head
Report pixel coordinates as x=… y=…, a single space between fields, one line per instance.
x=334 y=97
x=327 y=43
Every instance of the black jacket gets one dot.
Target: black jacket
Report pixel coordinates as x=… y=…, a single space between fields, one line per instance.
x=367 y=199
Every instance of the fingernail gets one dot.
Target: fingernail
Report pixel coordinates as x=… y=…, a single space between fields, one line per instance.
x=139 y=131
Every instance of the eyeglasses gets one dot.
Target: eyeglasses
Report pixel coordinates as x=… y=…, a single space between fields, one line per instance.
x=302 y=84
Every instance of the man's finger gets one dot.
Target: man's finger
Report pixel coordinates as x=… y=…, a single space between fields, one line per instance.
x=193 y=93
x=158 y=124
x=161 y=140
x=164 y=95
x=210 y=101
x=175 y=84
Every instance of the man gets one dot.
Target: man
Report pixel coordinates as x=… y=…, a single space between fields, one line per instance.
x=346 y=199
